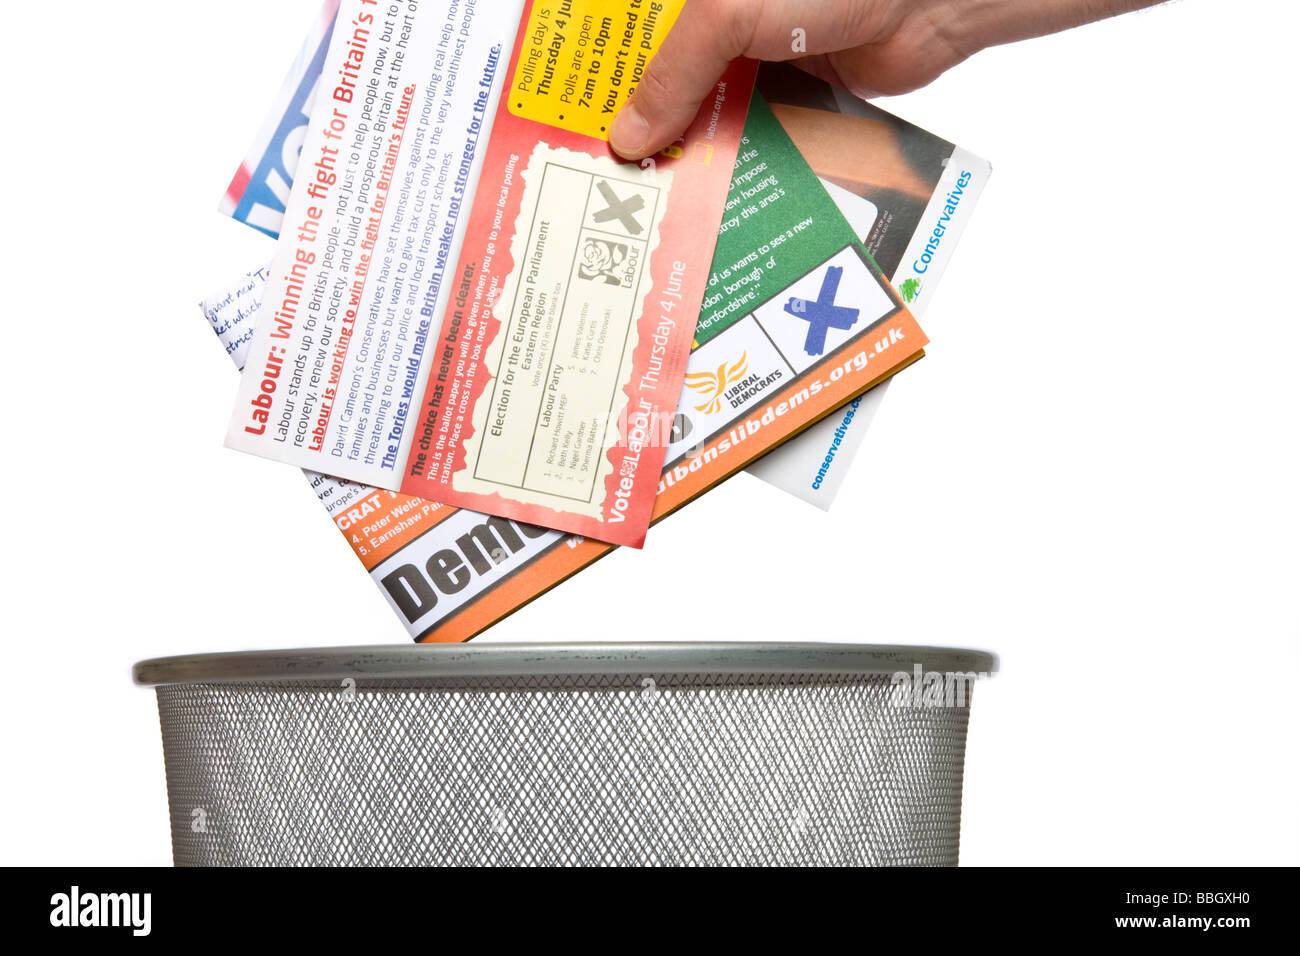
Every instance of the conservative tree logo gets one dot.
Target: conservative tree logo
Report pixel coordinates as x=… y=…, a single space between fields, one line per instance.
x=909 y=289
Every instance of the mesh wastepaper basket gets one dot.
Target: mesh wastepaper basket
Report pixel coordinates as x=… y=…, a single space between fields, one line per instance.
x=737 y=753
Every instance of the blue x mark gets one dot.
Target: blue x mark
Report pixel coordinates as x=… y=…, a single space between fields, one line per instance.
x=822 y=313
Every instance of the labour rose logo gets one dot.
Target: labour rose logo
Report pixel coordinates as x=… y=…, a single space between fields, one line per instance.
x=600 y=259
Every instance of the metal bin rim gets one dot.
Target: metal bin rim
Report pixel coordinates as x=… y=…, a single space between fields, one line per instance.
x=401 y=661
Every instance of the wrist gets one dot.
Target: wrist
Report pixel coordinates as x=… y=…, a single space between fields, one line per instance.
x=969 y=26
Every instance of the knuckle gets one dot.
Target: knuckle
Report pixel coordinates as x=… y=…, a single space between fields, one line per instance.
x=734 y=23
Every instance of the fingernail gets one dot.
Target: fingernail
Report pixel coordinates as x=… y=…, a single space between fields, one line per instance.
x=629 y=132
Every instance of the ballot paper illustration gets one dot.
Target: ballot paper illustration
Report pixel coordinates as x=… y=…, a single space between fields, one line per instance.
x=472 y=300
x=450 y=572
x=570 y=308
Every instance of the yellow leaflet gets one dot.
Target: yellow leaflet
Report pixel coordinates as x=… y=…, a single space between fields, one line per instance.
x=581 y=59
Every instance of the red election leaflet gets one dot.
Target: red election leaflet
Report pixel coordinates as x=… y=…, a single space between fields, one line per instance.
x=557 y=371
x=549 y=391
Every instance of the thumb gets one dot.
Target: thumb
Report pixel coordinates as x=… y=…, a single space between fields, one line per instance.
x=701 y=44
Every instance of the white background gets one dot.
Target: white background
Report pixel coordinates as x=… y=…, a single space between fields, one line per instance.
x=1093 y=473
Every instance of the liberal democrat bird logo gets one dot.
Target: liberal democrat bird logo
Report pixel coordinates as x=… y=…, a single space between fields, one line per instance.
x=712 y=384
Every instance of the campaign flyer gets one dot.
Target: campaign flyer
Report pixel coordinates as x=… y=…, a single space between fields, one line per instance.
x=259 y=190
x=799 y=321
x=387 y=168
x=558 y=365
x=528 y=372
x=909 y=195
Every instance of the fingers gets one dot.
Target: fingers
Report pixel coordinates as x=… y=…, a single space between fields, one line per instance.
x=707 y=36
x=823 y=66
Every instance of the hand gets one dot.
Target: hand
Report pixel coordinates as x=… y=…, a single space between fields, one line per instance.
x=870 y=47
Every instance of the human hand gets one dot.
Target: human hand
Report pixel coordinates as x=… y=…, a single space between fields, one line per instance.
x=870 y=47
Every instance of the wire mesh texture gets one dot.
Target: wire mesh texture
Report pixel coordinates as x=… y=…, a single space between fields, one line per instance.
x=564 y=769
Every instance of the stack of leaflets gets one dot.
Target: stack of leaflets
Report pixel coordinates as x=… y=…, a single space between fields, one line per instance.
x=497 y=351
